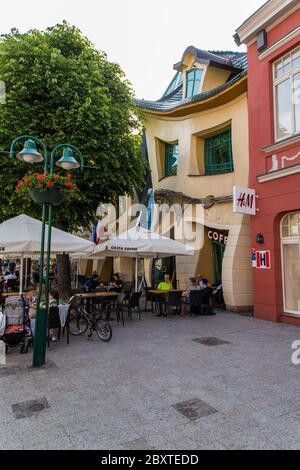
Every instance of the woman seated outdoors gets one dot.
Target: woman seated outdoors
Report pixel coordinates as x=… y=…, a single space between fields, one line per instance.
x=205 y=291
x=31 y=301
x=117 y=281
x=165 y=286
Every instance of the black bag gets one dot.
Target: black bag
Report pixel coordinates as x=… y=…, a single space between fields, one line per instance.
x=207 y=310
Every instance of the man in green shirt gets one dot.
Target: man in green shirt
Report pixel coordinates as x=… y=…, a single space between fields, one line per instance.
x=165 y=286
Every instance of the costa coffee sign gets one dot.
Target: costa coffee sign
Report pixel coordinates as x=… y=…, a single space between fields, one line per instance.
x=218 y=236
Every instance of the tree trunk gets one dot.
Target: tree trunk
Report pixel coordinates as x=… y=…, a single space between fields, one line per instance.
x=63 y=276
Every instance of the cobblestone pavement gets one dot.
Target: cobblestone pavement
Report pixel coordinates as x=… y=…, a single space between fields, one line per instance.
x=223 y=382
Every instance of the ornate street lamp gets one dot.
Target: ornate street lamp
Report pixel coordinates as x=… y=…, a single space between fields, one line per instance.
x=30 y=154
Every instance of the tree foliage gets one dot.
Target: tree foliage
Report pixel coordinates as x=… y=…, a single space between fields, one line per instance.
x=60 y=89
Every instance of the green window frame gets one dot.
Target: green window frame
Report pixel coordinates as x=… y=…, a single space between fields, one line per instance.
x=193 y=80
x=171 y=159
x=218 y=157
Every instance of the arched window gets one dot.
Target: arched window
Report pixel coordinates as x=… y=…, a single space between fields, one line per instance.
x=290 y=226
x=193 y=80
x=290 y=254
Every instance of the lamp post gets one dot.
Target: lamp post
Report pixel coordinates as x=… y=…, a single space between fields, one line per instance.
x=30 y=154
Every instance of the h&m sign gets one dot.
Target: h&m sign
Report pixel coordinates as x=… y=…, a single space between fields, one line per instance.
x=244 y=200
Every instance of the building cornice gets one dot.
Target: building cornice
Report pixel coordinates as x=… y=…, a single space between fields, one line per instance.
x=267 y=15
x=282 y=173
x=174 y=197
x=282 y=144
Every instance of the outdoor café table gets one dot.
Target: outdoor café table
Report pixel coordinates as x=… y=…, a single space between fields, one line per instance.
x=93 y=295
x=13 y=294
x=103 y=296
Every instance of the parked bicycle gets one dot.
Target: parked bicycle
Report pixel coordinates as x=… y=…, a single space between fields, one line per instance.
x=81 y=321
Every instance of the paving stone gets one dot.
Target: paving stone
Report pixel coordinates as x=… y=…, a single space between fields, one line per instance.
x=195 y=409
x=27 y=409
x=210 y=341
x=121 y=395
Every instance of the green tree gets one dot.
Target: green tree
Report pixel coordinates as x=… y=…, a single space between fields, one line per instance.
x=61 y=89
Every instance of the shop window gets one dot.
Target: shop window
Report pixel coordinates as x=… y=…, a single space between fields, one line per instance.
x=171 y=159
x=218 y=154
x=193 y=80
x=290 y=245
x=287 y=95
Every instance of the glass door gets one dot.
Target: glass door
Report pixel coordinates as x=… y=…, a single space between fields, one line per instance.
x=218 y=251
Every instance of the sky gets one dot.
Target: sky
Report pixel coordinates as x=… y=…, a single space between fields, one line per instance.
x=146 y=37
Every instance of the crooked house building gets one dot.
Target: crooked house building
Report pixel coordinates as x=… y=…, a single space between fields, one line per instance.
x=197 y=145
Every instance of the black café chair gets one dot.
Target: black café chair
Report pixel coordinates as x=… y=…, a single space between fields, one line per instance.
x=133 y=303
x=200 y=302
x=174 y=302
x=119 y=306
x=54 y=322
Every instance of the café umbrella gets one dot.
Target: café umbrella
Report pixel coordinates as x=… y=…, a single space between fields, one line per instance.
x=138 y=243
x=21 y=236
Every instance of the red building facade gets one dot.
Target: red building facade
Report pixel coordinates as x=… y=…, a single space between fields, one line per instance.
x=272 y=36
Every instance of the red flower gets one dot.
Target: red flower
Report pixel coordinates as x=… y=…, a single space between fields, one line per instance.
x=55 y=177
x=25 y=179
x=50 y=183
x=40 y=185
x=68 y=176
x=68 y=185
x=40 y=177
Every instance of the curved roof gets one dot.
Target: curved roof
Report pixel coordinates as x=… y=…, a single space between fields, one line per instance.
x=235 y=61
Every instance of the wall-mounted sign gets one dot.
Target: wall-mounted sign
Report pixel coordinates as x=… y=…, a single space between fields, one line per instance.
x=217 y=236
x=244 y=200
x=263 y=259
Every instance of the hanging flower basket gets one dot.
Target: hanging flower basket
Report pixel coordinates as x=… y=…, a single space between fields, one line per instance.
x=50 y=196
x=47 y=189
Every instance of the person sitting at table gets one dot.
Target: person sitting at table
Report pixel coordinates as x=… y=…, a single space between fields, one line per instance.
x=193 y=286
x=202 y=282
x=118 y=281
x=31 y=303
x=34 y=276
x=165 y=286
x=53 y=302
x=91 y=282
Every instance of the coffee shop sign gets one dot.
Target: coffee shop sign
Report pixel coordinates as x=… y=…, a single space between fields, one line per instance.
x=217 y=236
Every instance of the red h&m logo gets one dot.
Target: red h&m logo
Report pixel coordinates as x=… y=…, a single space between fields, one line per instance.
x=263 y=259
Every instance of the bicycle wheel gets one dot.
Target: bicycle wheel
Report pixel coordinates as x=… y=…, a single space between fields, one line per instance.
x=78 y=324
x=103 y=330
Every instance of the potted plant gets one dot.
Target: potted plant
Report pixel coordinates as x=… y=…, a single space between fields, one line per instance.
x=45 y=188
